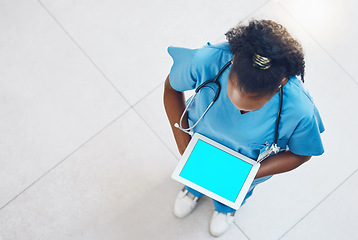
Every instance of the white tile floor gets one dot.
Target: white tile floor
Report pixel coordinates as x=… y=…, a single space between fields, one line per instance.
x=81 y=91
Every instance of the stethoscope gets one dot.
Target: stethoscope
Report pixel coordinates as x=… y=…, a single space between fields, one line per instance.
x=274 y=148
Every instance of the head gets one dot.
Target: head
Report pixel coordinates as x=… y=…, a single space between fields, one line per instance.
x=265 y=57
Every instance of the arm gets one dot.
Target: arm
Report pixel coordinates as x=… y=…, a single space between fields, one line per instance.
x=280 y=163
x=174 y=104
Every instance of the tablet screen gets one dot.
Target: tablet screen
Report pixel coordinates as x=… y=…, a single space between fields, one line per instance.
x=216 y=170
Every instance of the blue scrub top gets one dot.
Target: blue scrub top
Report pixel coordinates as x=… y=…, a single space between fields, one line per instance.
x=300 y=125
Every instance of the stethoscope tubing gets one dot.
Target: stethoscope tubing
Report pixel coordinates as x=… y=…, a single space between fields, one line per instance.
x=278 y=117
x=188 y=130
x=215 y=81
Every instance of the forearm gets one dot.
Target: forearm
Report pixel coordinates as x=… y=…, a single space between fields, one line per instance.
x=174 y=104
x=280 y=163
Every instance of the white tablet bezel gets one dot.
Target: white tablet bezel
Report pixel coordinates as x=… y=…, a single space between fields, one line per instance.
x=255 y=167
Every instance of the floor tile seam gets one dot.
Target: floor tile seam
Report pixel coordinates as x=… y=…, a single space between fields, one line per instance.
x=146 y=123
x=247 y=17
x=257 y=9
x=64 y=159
x=318 y=43
x=148 y=93
x=156 y=134
x=319 y=203
x=84 y=52
x=241 y=231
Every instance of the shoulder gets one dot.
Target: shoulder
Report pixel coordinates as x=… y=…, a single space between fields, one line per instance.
x=299 y=102
x=303 y=122
x=193 y=66
x=214 y=53
x=210 y=54
x=200 y=64
x=210 y=59
x=297 y=97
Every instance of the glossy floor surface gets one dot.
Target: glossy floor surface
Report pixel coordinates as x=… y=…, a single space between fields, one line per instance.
x=86 y=151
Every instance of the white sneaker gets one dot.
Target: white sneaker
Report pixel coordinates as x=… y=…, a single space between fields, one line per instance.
x=184 y=203
x=220 y=222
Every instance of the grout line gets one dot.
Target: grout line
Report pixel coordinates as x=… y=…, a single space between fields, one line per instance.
x=65 y=158
x=244 y=19
x=316 y=41
x=147 y=94
x=241 y=231
x=83 y=51
x=324 y=199
x=155 y=133
x=148 y=125
x=116 y=89
x=103 y=74
x=257 y=9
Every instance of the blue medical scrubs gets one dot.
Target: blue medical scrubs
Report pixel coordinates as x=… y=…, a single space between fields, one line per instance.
x=300 y=126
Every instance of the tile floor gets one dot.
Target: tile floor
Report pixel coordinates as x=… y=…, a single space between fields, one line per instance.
x=85 y=148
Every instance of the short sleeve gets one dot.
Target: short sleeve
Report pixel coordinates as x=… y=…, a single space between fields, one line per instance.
x=306 y=139
x=181 y=74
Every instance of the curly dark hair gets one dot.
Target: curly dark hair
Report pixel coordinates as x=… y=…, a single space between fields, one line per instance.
x=271 y=40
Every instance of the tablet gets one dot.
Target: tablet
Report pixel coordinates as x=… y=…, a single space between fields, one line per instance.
x=216 y=171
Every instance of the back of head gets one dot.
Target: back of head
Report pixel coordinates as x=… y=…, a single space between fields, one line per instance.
x=265 y=54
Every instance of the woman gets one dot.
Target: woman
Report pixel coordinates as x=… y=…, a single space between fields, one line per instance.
x=265 y=59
